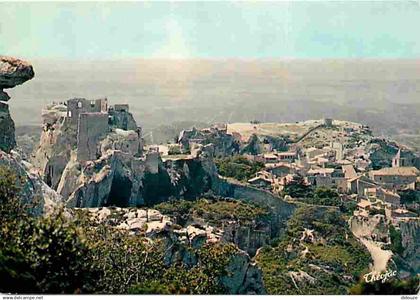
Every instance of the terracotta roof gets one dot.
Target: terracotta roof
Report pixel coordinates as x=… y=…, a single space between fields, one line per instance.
x=349 y=171
x=286 y=153
x=364 y=203
x=279 y=164
x=397 y=171
x=321 y=171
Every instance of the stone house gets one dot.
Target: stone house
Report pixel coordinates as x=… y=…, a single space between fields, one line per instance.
x=357 y=185
x=280 y=169
x=327 y=177
x=286 y=156
x=386 y=196
x=396 y=178
x=270 y=158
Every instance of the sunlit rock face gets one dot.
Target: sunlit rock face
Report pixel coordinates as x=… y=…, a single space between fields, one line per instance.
x=39 y=197
x=13 y=72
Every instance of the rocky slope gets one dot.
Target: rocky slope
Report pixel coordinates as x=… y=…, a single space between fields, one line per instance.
x=181 y=242
x=317 y=255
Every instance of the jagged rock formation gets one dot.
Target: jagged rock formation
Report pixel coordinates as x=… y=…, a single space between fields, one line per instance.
x=98 y=159
x=258 y=144
x=12 y=72
x=76 y=127
x=119 y=178
x=33 y=191
x=224 y=144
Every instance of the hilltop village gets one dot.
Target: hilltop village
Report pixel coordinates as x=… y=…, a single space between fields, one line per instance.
x=93 y=155
x=303 y=190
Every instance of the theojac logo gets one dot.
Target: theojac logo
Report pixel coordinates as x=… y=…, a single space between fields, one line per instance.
x=378 y=276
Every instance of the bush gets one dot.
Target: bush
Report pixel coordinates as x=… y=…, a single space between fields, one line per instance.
x=38 y=255
x=238 y=167
x=336 y=252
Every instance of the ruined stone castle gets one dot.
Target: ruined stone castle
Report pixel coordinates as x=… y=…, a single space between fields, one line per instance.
x=93 y=154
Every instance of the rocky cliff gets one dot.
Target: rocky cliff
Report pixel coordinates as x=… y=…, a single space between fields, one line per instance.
x=410 y=241
x=118 y=171
x=34 y=191
x=373 y=233
x=12 y=72
x=121 y=179
x=280 y=211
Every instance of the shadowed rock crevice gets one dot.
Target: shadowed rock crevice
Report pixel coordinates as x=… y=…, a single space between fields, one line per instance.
x=120 y=192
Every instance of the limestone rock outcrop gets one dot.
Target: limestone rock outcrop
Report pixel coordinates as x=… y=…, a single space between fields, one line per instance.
x=7 y=129
x=13 y=72
x=79 y=131
x=223 y=143
x=40 y=198
x=121 y=179
x=99 y=160
x=34 y=191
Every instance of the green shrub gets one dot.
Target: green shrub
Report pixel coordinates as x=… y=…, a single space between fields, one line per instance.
x=396 y=240
x=238 y=167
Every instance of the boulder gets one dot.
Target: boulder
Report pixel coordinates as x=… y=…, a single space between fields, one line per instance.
x=13 y=72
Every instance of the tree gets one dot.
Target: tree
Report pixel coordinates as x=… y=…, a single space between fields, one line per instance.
x=297 y=188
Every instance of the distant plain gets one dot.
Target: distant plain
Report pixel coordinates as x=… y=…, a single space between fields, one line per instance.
x=169 y=93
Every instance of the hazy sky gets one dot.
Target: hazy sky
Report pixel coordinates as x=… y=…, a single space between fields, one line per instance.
x=211 y=29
